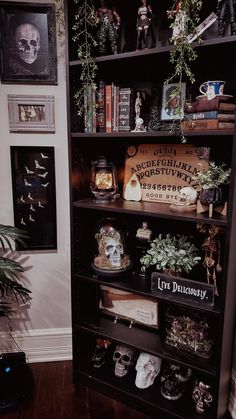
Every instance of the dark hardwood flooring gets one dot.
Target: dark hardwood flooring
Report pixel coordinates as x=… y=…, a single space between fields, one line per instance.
x=55 y=397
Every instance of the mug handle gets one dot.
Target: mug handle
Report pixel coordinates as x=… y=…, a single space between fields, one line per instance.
x=202 y=89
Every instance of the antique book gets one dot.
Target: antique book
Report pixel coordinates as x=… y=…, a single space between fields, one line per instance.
x=226 y=125
x=200 y=124
x=204 y=105
x=101 y=115
x=108 y=103
x=201 y=115
x=227 y=107
x=225 y=116
x=125 y=108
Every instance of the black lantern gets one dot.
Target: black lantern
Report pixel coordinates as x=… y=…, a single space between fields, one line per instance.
x=103 y=183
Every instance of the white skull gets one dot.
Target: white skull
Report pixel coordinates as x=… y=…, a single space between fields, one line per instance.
x=124 y=359
x=186 y=196
x=114 y=251
x=28 y=42
x=147 y=367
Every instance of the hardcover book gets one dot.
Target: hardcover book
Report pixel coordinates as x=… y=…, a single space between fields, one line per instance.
x=125 y=108
x=101 y=114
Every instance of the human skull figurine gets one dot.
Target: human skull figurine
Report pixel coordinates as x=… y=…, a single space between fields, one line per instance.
x=124 y=359
x=28 y=42
x=114 y=250
x=186 y=196
x=147 y=367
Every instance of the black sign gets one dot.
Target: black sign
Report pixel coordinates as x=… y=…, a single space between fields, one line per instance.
x=162 y=284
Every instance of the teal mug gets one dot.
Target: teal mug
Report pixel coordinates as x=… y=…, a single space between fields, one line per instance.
x=212 y=88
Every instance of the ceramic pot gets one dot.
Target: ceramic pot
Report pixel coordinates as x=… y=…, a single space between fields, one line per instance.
x=212 y=196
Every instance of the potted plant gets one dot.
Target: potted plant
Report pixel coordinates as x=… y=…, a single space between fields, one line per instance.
x=212 y=180
x=171 y=254
x=12 y=292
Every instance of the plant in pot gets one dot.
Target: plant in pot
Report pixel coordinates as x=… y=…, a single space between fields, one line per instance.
x=172 y=255
x=12 y=291
x=213 y=181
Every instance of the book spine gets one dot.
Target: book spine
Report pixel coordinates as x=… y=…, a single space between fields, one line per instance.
x=124 y=109
x=227 y=117
x=202 y=115
x=108 y=102
x=203 y=105
x=226 y=125
x=227 y=107
x=200 y=124
x=101 y=115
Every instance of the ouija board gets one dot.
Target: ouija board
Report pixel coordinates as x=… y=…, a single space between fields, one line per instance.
x=163 y=169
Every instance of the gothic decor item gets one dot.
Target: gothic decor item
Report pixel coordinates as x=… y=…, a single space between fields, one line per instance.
x=129 y=306
x=188 y=334
x=212 y=249
x=173 y=379
x=186 y=200
x=103 y=183
x=100 y=352
x=31 y=113
x=173 y=101
x=202 y=397
x=112 y=258
x=132 y=189
x=144 y=26
x=226 y=17
x=34 y=196
x=148 y=368
x=124 y=358
x=28 y=43
x=109 y=23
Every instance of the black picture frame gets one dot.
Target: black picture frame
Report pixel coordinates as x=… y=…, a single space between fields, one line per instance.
x=28 y=43
x=34 y=195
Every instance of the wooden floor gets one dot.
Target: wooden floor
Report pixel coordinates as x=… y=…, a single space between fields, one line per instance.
x=55 y=397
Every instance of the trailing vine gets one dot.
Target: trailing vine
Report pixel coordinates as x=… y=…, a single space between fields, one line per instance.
x=85 y=21
x=183 y=53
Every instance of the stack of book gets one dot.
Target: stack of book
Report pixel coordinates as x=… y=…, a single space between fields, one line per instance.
x=214 y=114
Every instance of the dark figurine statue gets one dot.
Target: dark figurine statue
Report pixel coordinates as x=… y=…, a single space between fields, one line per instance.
x=144 y=25
x=109 y=23
x=226 y=18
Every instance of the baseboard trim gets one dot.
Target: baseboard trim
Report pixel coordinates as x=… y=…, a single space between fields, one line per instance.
x=41 y=345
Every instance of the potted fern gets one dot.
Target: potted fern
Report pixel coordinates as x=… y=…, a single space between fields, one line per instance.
x=172 y=255
x=12 y=291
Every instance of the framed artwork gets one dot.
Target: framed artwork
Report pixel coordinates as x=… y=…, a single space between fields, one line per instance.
x=34 y=196
x=28 y=43
x=172 y=102
x=31 y=113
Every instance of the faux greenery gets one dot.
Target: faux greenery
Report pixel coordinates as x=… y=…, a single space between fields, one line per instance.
x=183 y=54
x=213 y=176
x=171 y=253
x=85 y=21
x=11 y=291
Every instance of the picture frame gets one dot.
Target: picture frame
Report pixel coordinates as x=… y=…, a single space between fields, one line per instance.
x=172 y=106
x=28 y=43
x=31 y=113
x=34 y=195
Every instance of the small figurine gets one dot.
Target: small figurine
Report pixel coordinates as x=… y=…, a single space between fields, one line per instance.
x=202 y=397
x=138 y=105
x=100 y=351
x=179 y=25
x=226 y=17
x=108 y=27
x=139 y=125
x=211 y=247
x=144 y=27
x=144 y=233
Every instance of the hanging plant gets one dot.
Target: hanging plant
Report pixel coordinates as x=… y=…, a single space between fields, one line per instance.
x=85 y=21
x=186 y=18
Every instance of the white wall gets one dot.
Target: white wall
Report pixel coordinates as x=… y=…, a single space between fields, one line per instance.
x=44 y=332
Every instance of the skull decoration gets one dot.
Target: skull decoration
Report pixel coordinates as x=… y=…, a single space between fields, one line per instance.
x=124 y=358
x=111 y=248
x=186 y=196
x=114 y=250
x=147 y=367
x=173 y=380
x=28 y=42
